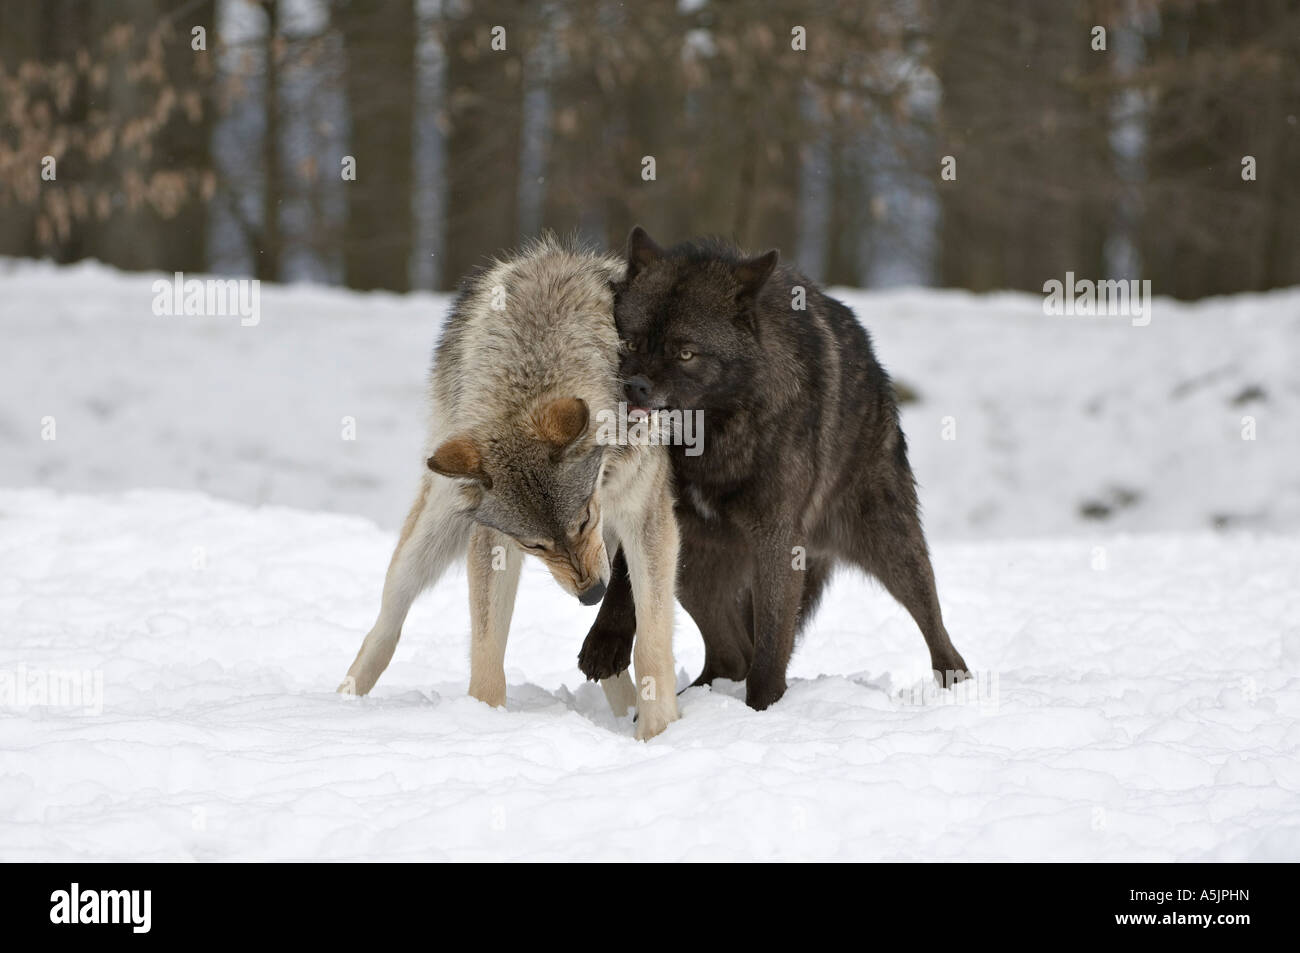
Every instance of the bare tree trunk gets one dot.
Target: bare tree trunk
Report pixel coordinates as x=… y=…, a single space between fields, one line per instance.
x=485 y=93
x=167 y=236
x=1033 y=174
x=577 y=163
x=776 y=202
x=268 y=246
x=20 y=40
x=1228 y=79
x=63 y=30
x=379 y=40
x=185 y=144
x=845 y=221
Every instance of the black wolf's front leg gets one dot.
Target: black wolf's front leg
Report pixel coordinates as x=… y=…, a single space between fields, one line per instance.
x=607 y=650
x=777 y=590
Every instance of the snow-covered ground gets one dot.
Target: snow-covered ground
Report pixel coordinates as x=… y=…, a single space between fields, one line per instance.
x=193 y=561
x=1143 y=710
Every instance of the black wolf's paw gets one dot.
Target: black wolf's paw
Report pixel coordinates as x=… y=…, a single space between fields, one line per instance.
x=605 y=653
x=948 y=672
x=762 y=694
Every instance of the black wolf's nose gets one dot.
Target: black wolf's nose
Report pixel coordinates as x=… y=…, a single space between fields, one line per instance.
x=592 y=595
x=638 y=391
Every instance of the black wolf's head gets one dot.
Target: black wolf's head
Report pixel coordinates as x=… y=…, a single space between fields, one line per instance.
x=688 y=324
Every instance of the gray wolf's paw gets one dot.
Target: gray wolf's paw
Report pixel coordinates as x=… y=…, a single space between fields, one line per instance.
x=654 y=716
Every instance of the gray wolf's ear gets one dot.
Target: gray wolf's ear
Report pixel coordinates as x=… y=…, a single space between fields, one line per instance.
x=641 y=252
x=752 y=273
x=459 y=458
x=562 y=421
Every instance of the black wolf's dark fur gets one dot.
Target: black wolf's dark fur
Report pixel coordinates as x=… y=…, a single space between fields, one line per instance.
x=804 y=465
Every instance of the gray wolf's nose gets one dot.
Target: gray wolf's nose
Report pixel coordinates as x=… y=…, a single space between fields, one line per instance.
x=592 y=595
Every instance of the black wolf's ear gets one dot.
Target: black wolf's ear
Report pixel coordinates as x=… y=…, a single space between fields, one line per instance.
x=562 y=421
x=460 y=458
x=641 y=252
x=752 y=273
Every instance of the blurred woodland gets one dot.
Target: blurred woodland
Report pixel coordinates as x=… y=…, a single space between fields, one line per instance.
x=475 y=124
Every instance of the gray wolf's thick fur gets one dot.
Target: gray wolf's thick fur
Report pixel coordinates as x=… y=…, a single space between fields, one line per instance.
x=527 y=360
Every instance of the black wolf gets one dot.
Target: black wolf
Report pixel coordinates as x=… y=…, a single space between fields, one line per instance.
x=804 y=464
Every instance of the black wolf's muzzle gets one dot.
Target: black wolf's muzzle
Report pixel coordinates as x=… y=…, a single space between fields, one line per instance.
x=638 y=391
x=593 y=595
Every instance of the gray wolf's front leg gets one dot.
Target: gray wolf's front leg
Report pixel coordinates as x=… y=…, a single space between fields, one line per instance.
x=433 y=535
x=652 y=568
x=494 y=564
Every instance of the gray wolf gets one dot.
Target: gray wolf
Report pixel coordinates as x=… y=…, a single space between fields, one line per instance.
x=528 y=356
x=804 y=468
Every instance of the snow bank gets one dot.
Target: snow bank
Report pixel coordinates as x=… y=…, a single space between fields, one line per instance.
x=1061 y=425
x=1137 y=700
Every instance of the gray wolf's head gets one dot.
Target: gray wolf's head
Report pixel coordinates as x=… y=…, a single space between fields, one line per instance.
x=539 y=484
x=688 y=323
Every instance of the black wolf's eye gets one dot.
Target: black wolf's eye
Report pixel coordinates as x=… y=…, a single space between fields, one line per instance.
x=685 y=354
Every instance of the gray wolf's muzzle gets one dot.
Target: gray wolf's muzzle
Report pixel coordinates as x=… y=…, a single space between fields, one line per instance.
x=593 y=595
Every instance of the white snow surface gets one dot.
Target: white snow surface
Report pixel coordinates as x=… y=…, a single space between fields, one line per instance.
x=201 y=542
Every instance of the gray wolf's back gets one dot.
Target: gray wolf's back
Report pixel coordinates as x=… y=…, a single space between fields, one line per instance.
x=536 y=325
